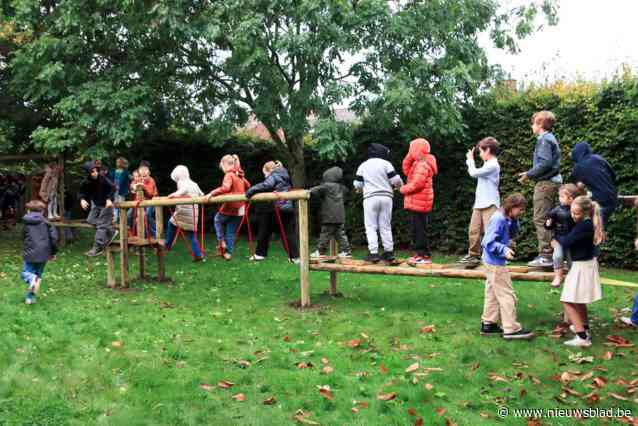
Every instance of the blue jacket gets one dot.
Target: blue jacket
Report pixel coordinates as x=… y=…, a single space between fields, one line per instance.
x=122 y=181
x=595 y=172
x=546 y=160
x=40 y=238
x=579 y=241
x=497 y=237
x=278 y=181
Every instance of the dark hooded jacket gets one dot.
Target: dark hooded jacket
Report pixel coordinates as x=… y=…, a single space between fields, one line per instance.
x=331 y=192
x=376 y=150
x=561 y=220
x=40 y=238
x=596 y=173
x=278 y=181
x=97 y=190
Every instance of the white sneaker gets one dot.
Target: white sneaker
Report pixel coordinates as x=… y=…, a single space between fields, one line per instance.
x=577 y=341
x=256 y=258
x=315 y=254
x=628 y=321
x=35 y=285
x=345 y=255
x=296 y=261
x=572 y=328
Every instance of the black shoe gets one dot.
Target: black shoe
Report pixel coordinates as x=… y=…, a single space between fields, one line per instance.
x=491 y=330
x=95 y=251
x=373 y=258
x=521 y=334
x=388 y=256
x=470 y=260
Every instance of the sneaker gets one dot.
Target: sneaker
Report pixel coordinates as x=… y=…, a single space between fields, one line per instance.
x=470 y=259
x=628 y=321
x=95 y=251
x=345 y=255
x=491 y=330
x=227 y=256
x=388 y=256
x=521 y=334
x=540 y=262
x=577 y=341
x=572 y=328
x=372 y=257
x=199 y=259
x=315 y=254
x=294 y=260
x=35 y=285
x=556 y=282
x=29 y=300
x=419 y=260
x=256 y=258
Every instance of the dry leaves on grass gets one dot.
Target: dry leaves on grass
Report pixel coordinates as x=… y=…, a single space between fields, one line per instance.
x=117 y=344
x=270 y=401
x=387 y=396
x=382 y=369
x=302 y=417
x=359 y=405
x=600 y=382
x=496 y=378
x=419 y=422
x=618 y=342
x=242 y=363
x=427 y=329
x=578 y=358
x=327 y=370
x=326 y=392
x=239 y=397
x=354 y=343
x=412 y=368
x=303 y=365
x=225 y=384
x=449 y=422
x=205 y=386
x=607 y=355
x=412 y=412
x=440 y=411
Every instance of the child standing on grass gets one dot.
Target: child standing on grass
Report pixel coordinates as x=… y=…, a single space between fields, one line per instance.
x=186 y=216
x=40 y=245
x=333 y=213
x=582 y=284
x=546 y=172
x=376 y=177
x=500 y=298
x=121 y=179
x=559 y=221
x=487 y=199
x=228 y=218
x=419 y=167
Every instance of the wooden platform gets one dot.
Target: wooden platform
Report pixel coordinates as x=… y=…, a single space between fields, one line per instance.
x=79 y=223
x=137 y=242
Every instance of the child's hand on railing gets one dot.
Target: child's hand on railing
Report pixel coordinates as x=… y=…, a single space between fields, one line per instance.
x=509 y=254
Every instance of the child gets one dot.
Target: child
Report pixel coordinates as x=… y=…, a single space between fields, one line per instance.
x=500 y=298
x=277 y=180
x=229 y=214
x=546 y=172
x=40 y=245
x=186 y=216
x=49 y=190
x=376 y=177
x=582 y=284
x=333 y=213
x=121 y=178
x=559 y=221
x=487 y=199
x=420 y=167
x=96 y=193
x=150 y=192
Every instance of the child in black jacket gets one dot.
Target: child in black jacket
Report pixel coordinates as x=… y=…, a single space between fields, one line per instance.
x=559 y=221
x=40 y=245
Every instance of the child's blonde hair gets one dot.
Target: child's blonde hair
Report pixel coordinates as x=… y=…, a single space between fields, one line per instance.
x=270 y=166
x=545 y=119
x=591 y=209
x=35 y=206
x=121 y=161
x=230 y=160
x=572 y=190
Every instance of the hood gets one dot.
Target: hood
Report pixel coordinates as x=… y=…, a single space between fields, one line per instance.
x=581 y=151
x=33 y=218
x=90 y=165
x=281 y=171
x=420 y=151
x=333 y=174
x=180 y=173
x=376 y=150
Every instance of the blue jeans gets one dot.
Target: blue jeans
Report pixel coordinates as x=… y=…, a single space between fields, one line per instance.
x=559 y=255
x=225 y=229
x=171 y=233
x=150 y=217
x=30 y=272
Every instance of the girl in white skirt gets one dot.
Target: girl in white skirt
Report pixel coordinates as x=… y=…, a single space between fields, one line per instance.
x=582 y=284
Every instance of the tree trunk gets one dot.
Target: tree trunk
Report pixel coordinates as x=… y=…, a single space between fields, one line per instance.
x=297 y=165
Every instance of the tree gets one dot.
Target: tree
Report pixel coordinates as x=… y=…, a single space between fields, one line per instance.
x=107 y=70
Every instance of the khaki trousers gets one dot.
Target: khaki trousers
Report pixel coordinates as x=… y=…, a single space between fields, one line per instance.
x=478 y=225
x=500 y=299
x=544 y=200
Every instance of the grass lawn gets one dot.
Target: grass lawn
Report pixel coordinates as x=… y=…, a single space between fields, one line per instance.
x=85 y=354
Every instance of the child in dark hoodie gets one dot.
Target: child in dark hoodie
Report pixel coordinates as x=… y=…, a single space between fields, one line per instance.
x=96 y=193
x=595 y=172
x=40 y=245
x=333 y=213
x=277 y=180
x=420 y=167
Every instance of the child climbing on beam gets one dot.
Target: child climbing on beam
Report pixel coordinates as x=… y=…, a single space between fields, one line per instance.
x=500 y=298
x=228 y=218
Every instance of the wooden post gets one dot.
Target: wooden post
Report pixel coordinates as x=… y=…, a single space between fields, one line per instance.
x=159 y=237
x=304 y=253
x=123 y=248
x=159 y=223
x=333 y=275
x=141 y=232
x=61 y=235
x=110 y=271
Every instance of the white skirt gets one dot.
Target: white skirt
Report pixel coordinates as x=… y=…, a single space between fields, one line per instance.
x=582 y=284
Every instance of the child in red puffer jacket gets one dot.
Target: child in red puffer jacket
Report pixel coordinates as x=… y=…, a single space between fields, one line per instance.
x=420 y=168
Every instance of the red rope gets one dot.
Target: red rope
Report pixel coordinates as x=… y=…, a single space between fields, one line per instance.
x=282 y=231
x=245 y=219
x=202 y=239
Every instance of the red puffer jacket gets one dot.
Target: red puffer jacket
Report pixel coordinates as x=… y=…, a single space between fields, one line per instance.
x=420 y=167
x=234 y=183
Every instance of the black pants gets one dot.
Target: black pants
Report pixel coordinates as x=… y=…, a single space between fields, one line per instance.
x=267 y=223
x=420 y=222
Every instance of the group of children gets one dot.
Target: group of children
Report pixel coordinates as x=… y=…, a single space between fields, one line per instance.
x=571 y=231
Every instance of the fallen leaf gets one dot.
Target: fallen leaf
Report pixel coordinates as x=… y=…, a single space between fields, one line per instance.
x=428 y=386
x=534 y=422
x=239 y=397
x=326 y=392
x=522 y=393
x=412 y=412
x=440 y=411
x=302 y=417
x=619 y=342
x=382 y=369
x=449 y=422
x=419 y=422
x=475 y=366
x=286 y=338
x=592 y=398
x=586 y=376
x=599 y=382
x=567 y=377
x=327 y=369
x=365 y=336
x=225 y=384
x=243 y=363
x=616 y=396
x=484 y=414
x=535 y=380
x=571 y=391
x=359 y=405
x=578 y=358
x=302 y=365
x=117 y=344
x=270 y=401
x=386 y=396
x=412 y=368
x=205 y=386
x=608 y=355
x=354 y=343
x=496 y=378
x=325 y=361
x=427 y=329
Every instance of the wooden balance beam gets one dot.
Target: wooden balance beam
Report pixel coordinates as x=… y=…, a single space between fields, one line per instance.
x=71 y=224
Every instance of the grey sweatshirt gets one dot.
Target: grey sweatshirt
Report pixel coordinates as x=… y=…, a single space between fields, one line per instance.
x=377 y=177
